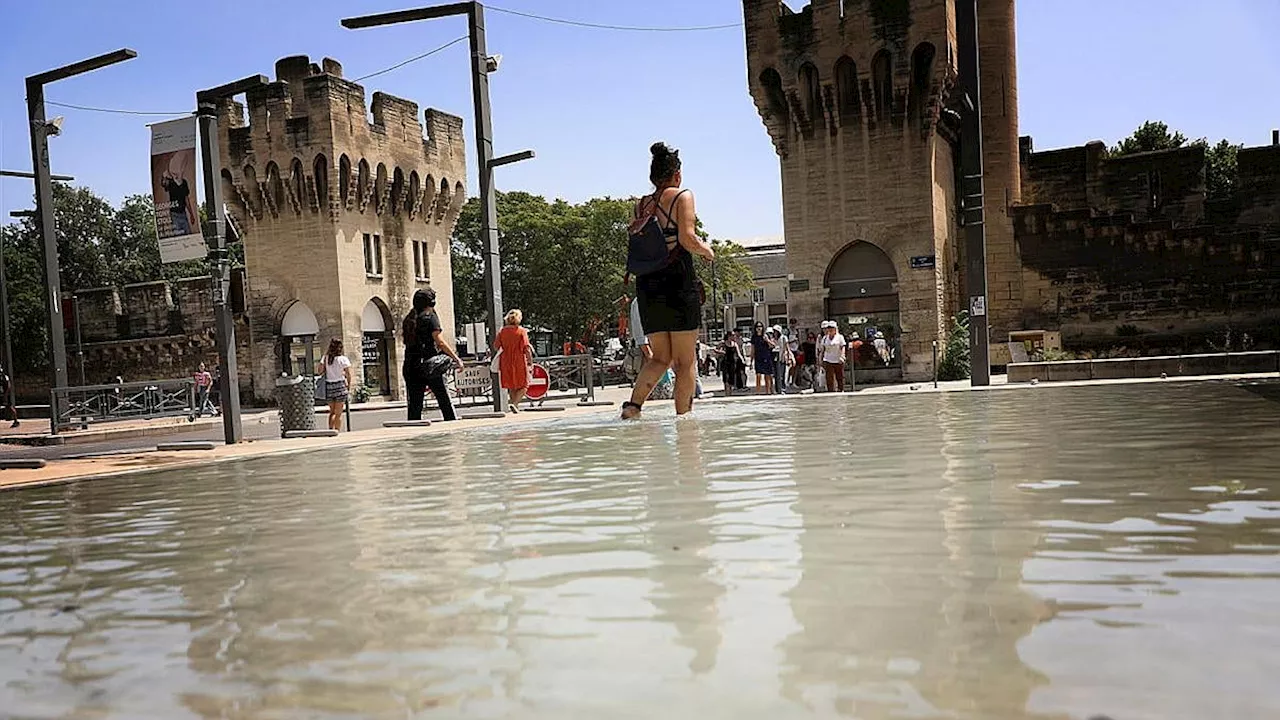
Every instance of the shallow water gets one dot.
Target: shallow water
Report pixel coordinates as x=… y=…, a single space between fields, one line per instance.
x=1050 y=553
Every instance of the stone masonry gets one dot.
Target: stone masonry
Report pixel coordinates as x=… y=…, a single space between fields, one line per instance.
x=1129 y=252
x=854 y=94
x=307 y=176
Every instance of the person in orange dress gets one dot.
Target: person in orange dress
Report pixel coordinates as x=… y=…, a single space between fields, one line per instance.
x=515 y=364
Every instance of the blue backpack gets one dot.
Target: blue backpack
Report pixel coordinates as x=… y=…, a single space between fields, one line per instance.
x=648 y=249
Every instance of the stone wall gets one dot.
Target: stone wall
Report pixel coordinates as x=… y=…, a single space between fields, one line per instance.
x=148 y=331
x=1126 y=251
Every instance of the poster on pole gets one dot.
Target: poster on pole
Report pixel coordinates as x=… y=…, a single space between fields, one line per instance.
x=173 y=190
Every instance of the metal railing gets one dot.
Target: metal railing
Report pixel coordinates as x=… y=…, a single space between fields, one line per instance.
x=78 y=406
x=571 y=377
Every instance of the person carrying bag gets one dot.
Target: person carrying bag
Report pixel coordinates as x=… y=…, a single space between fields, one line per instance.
x=428 y=357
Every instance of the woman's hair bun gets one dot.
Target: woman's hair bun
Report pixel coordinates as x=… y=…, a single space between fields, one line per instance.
x=660 y=149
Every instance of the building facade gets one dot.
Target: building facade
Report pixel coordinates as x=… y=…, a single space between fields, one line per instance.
x=767 y=301
x=857 y=97
x=343 y=219
x=853 y=94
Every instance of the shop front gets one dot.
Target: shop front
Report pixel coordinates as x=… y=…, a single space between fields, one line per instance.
x=375 y=347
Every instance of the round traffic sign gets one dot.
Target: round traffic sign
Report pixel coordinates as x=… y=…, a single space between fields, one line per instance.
x=540 y=383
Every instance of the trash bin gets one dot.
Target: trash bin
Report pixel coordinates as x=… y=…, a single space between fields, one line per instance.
x=295 y=397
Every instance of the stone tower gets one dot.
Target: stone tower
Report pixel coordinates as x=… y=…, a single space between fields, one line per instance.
x=343 y=219
x=857 y=96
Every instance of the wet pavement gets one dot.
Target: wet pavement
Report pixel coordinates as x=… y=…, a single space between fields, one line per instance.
x=1048 y=553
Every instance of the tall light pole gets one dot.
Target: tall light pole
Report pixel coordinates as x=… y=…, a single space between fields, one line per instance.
x=215 y=237
x=972 y=190
x=40 y=130
x=481 y=66
x=4 y=289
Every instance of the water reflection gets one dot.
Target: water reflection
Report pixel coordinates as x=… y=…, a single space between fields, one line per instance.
x=996 y=555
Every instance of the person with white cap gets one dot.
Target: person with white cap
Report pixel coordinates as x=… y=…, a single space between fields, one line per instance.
x=783 y=360
x=831 y=347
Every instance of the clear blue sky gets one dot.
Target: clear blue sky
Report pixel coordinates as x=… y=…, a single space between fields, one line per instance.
x=591 y=101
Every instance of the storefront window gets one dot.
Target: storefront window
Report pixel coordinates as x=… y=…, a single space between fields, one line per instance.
x=373 y=351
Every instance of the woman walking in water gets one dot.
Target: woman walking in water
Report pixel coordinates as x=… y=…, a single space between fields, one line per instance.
x=335 y=368
x=670 y=303
x=515 y=358
x=423 y=342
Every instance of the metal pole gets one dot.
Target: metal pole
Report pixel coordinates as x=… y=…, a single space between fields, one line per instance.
x=488 y=194
x=972 y=191
x=75 y=314
x=75 y=317
x=220 y=268
x=4 y=328
x=715 y=299
x=48 y=231
x=935 y=364
x=39 y=130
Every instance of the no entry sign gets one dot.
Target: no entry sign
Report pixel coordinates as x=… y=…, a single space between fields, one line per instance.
x=539 y=384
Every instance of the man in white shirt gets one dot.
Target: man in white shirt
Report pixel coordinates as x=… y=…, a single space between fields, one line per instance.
x=831 y=348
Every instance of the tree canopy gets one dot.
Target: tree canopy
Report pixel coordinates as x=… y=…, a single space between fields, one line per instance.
x=98 y=246
x=562 y=264
x=1221 y=164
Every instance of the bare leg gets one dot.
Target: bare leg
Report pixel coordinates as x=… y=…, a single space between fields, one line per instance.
x=684 y=348
x=335 y=416
x=654 y=367
x=768 y=384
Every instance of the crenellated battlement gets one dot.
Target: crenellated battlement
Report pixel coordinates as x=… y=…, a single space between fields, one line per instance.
x=844 y=65
x=309 y=143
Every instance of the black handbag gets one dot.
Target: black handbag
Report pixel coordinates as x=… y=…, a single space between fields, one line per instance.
x=436 y=366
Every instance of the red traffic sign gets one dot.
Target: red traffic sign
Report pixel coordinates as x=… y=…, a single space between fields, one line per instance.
x=539 y=384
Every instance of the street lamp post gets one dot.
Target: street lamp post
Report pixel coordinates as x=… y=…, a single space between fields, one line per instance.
x=215 y=236
x=40 y=130
x=481 y=65
x=4 y=293
x=972 y=190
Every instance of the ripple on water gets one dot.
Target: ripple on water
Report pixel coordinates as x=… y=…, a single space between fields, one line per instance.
x=821 y=557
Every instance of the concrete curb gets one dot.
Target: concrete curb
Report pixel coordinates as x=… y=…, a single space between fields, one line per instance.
x=181 y=446
x=106 y=433
x=278 y=448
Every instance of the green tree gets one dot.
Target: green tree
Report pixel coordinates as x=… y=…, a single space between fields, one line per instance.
x=98 y=246
x=1221 y=170
x=1150 y=135
x=1221 y=167
x=562 y=264
x=955 y=363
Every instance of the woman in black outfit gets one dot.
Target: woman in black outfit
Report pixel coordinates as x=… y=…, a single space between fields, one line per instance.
x=424 y=338
x=670 y=303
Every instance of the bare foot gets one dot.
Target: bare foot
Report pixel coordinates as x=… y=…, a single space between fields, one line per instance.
x=630 y=411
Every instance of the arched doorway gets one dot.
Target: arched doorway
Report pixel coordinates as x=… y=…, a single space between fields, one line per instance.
x=375 y=345
x=298 y=330
x=863 y=297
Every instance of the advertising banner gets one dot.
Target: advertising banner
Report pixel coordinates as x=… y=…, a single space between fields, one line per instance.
x=173 y=190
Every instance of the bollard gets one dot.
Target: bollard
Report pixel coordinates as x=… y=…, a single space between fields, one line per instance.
x=591 y=381
x=935 y=364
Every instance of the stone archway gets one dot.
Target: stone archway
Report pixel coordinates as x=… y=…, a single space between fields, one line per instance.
x=297 y=333
x=862 y=296
x=376 y=342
